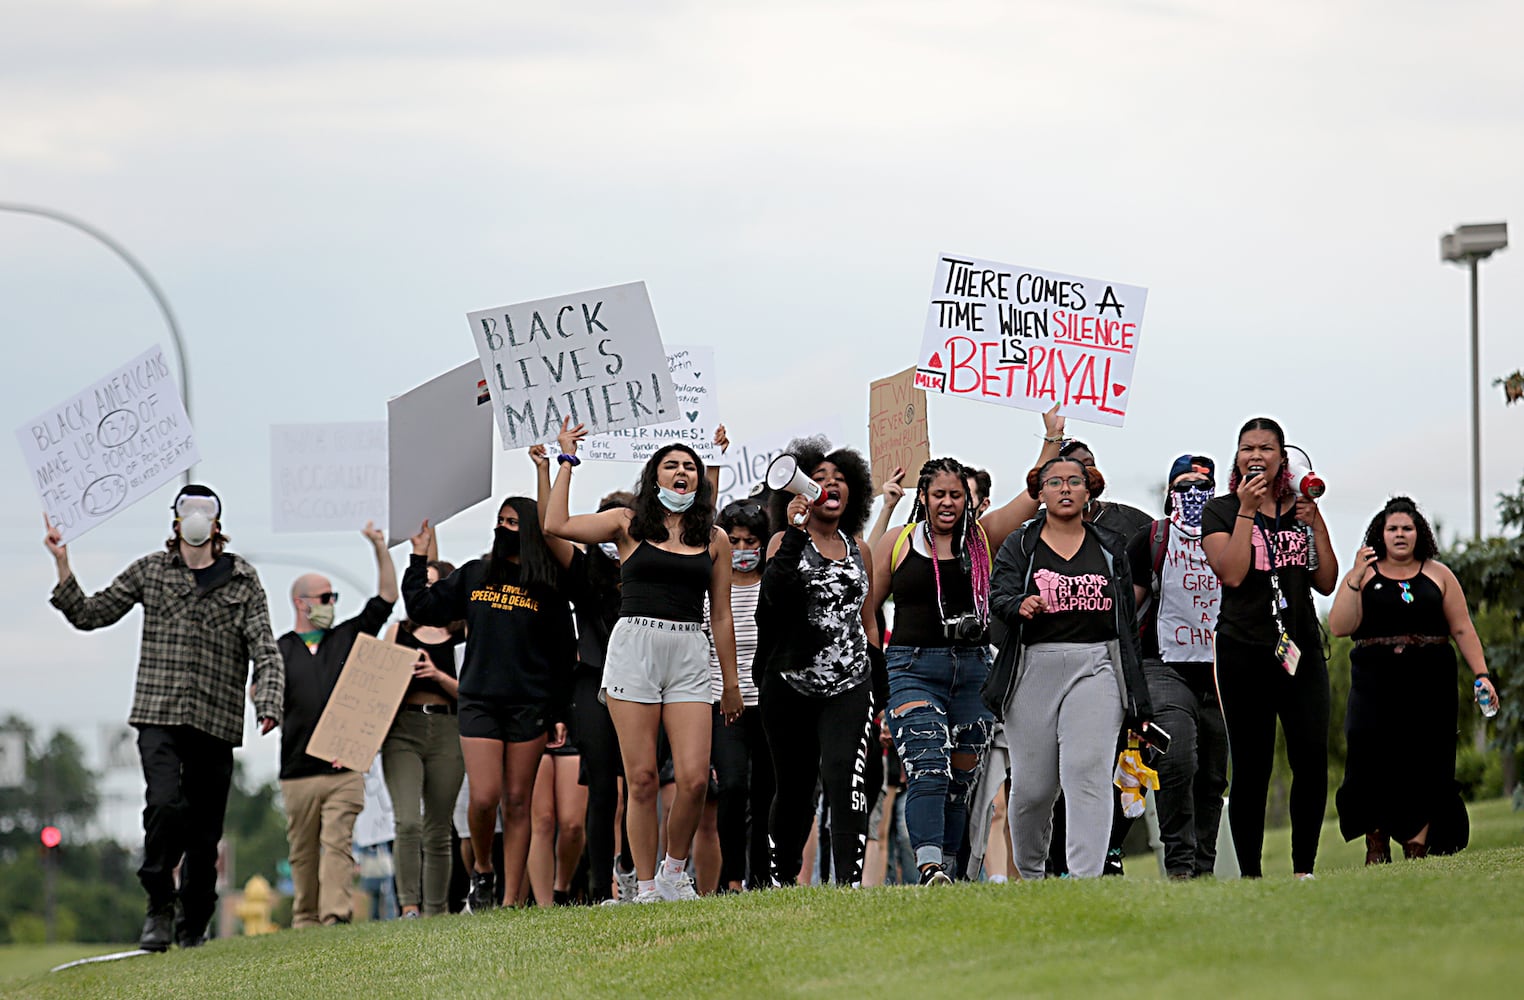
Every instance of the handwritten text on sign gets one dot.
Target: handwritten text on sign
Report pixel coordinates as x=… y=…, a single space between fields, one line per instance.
x=693 y=380
x=364 y=700
x=327 y=477
x=595 y=357
x=897 y=429
x=1026 y=338
x=97 y=454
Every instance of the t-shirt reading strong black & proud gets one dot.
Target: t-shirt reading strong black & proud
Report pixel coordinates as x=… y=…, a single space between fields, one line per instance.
x=1078 y=593
x=1245 y=615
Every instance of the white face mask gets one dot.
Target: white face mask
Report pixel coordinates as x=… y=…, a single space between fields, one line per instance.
x=674 y=501
x=196 y=528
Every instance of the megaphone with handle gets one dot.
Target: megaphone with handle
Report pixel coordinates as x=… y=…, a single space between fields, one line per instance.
x=1304 y=482
x=784 y=474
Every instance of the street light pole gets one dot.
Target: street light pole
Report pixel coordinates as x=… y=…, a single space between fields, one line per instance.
x=1471 y=245
x=139 y=270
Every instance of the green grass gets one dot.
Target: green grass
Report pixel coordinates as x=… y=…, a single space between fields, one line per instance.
x=21 y=961
x=1408 y=929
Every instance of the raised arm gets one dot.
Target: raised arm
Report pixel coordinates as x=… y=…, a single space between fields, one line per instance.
x=560 y=548
x=712 y=473
x=97 y=610
x=1022 y=507
x=893 y=494
x=386 y=570
x=589 y=529
x=1344 y=616
x=440 y=604
x=1229 y=550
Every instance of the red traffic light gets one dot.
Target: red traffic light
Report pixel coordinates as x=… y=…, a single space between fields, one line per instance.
x=51 y=836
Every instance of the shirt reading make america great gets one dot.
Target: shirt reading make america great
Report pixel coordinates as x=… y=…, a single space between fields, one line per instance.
x=198 y=639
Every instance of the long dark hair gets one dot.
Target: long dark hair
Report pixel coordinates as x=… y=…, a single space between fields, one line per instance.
x=813 y=452
x=537 y=567
x=1282 y=485
x=650 y=521
x=1375 y=535
x=968 y=542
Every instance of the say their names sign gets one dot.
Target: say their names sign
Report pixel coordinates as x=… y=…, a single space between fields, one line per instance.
x=105 y=449
x=364 y=700
x=693 y=381
x=1022 y=337
x=327 y=477
x=898 y=435
x=595 y=357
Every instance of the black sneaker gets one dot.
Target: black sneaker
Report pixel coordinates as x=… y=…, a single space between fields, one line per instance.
x=158 y=929
x=1113 y=864
x=935 y=875
x=483 y=894
x=560 y=897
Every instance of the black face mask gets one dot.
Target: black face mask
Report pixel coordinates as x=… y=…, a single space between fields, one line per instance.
x=505 y=542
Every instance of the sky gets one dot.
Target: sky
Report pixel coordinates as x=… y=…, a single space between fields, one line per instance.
x=325 y=190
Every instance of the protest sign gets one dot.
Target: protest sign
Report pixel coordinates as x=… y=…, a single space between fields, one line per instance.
x=595 y=357
x=744 y=467
x=439 y=450
x=359 y=712
x=898 y=436
x=100 y=452
x=1021 y=337
x=693 y=381
x=327 y=477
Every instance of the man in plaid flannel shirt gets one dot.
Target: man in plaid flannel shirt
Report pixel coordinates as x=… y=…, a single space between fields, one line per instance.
x=204 y=618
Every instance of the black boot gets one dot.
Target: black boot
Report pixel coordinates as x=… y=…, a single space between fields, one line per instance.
x=158 y=928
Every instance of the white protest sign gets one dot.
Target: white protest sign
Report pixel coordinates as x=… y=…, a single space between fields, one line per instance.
x=595 y=357
x=1027 y=338
x=744 y=467
x=693 y=381
x=102 y=451
x=439 y=450
x=327 y=477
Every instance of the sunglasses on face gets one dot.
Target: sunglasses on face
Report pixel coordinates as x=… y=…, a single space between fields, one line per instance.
x=327 y=597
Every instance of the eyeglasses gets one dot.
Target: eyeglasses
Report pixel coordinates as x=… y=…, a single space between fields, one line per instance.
x=1059 y=482
x=328 y=597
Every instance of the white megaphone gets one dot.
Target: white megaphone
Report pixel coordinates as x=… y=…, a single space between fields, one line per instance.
x=784 y=474
x=1304 y=482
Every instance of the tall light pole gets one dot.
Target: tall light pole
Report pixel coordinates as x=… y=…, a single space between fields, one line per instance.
x=1471 y=245
x=139 y=270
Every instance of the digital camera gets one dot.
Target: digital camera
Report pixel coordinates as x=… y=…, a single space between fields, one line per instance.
x=964 y=628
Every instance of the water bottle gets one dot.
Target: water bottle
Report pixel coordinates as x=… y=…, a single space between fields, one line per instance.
x=1485 y=700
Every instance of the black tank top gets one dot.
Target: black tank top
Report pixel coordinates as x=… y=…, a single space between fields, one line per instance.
x=1402 y=607
x=655 y=583
x=917 y=619
x=443 y=655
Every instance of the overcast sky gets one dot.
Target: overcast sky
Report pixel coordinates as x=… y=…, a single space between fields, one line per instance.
x=325 y=190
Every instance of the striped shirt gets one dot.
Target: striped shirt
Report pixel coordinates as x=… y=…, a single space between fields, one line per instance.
x=193 y=661
x=743 y=610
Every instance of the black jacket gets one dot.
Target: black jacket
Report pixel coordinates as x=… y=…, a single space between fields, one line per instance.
x=1010 y=584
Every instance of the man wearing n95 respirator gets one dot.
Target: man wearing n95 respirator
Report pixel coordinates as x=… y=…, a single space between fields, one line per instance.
x=205 y=618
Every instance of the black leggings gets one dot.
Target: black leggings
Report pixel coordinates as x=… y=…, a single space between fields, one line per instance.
x=825 y=738
x=1255 y=690
x=593 y=733
x=744 y=770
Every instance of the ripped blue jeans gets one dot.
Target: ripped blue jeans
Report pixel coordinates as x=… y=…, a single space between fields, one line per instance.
x=935 y=715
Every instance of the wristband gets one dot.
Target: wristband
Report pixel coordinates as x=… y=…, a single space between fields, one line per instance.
x=1053 y=440
x=1247 y=517
x=1352 y=586
x=571 y=460
x=1483 y=676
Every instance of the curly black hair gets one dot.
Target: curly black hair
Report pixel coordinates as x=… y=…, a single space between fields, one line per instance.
x=811 y=453
x=650 y=520
x=1424 y=547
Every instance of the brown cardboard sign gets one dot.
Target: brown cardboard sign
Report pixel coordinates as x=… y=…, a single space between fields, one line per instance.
x=898 y=435
x=364 y=701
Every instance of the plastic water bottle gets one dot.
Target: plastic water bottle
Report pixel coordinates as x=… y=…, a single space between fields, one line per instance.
x=1485 y=700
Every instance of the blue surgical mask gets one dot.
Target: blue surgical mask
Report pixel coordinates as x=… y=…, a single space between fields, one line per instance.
x=674 y=501
x=609 y=549
x=745 y=560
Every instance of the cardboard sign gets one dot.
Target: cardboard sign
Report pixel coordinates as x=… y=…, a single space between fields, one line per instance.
x=898 y=436
x=693 y=380
x=595 y=357
x=327 y=477
x=95 y=455
x=744 y=467
x=355 y=721
x=1021 y=337
x=439 y=450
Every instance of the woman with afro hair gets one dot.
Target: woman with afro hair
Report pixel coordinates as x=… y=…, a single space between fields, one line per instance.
x=815 y=632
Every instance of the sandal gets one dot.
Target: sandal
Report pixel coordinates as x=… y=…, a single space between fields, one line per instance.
x=1378 y=849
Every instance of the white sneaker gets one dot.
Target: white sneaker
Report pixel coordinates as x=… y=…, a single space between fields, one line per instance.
x=629 y=886
x=649 y=895
x=676 y=887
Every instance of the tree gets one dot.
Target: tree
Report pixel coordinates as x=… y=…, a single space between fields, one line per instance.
x=59 y=790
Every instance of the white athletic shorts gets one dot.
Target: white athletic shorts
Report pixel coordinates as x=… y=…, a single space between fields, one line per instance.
x=656 y=662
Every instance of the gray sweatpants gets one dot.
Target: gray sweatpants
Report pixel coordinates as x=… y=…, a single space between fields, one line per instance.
x=1062 y=724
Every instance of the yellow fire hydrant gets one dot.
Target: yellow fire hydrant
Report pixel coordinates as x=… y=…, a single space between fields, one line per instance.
x=254 y=908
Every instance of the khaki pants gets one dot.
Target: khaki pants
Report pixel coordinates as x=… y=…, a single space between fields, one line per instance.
x=320 y=825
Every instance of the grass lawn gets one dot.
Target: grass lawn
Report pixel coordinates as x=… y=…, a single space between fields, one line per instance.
x=21 y=961
x=1443 y=925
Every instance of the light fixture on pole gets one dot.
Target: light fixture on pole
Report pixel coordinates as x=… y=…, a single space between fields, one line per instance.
x=1471 y=245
